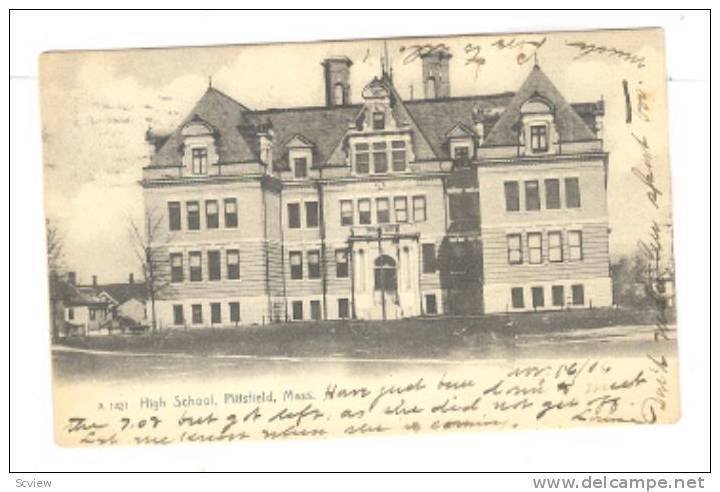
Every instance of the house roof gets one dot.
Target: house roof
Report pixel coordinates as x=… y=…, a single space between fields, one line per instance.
x=72 y=295
x=120 y=292
x=237 y=126
x=570 y=126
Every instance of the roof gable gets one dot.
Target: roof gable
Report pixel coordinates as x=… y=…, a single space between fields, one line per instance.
x=570 y=126
x=221 y=113
x=460 y=131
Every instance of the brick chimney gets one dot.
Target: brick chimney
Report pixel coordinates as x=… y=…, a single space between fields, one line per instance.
x=94 y=280
x=131 y=279
x=337 y=80
x=436 y=73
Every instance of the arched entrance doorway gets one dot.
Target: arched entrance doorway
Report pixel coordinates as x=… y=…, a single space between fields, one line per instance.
x=385 y=281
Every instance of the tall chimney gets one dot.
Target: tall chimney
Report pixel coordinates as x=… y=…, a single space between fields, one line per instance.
x=337 y=80
x=436 y=73
x=131 y=279
x=94 y=280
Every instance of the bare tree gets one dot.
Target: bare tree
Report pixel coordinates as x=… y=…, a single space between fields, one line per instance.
x=55 y=263
x=148 y=245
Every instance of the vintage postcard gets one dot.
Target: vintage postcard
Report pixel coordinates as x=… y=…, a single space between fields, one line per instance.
x=361 y=237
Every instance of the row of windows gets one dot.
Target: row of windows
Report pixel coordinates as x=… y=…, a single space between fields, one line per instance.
x=232 y=262
x=557 y=292
x=382 y=210
x=532 y=194
x=376 y=158
x=311 y=215
x=298 y=310
x=313 y=264
x=556 y=253
x=196 y=313
x=212 y=214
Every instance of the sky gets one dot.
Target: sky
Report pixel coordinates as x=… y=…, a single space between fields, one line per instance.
x=97 y=105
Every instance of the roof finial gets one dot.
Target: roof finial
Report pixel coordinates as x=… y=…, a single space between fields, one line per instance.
x=210 y=81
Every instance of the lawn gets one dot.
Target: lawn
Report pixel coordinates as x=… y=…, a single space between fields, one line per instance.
x=417 y=337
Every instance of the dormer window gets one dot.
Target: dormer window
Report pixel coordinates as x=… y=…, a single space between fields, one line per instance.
x=199 y=160
x=461 y=153
x=378 y=121
x=538 y=138
x=300 y=166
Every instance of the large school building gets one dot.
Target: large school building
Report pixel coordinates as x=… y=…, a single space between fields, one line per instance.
x=383 y=209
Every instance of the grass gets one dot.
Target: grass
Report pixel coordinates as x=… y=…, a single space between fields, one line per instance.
x=416 y=337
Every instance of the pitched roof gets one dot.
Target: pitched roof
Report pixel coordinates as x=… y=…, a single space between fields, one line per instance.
x=123 y=292
x=237 y=126
x=72 y=295
x=570 y=126
x=226 y=116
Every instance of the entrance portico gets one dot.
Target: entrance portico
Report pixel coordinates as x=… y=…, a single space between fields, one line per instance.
x=385 y=272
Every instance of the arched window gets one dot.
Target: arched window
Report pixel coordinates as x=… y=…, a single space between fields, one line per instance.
x=385 y=273
x=430 y=88
x=339 y=94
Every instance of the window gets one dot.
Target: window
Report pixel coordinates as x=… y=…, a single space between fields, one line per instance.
x=575 y=245
x=518 y=297
x=382 y=209
x=346 y=212
x=296 y=266
x=532 y=195
x=197 y=314
x=429 y=258
x=364 y=216
x=313 y=259
x=534 y=240
x=430 y=304
x=293 y=211
x=300 y=166
x=176 y=267
x=362 y=158
x=380 y=163
x=234 y=312
x=341 y=263
x=297 y=310
x=311 y=214
x=419 y=213
x=514 y=246
x=378 y=121
x=233 y=264
x=555 y=250
x=558 y=295
x=71 y=313
x=193 y=216
x=385 y=274
x=538 y=138
x=215 y=313
x=461 y=153
x=400 y=203
x=174 y=216
x=231 y=218
x=578 y=295
x=199 y=160
x=211 y=214
x=552 y=194
x=538 y=297
x=213 y=258
x=178 y=316
x=92 y=314
x=315 y=310
x=195 y=266
x=399 y=156
x=343 y=308
x=512 y=196
x=572 y=192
